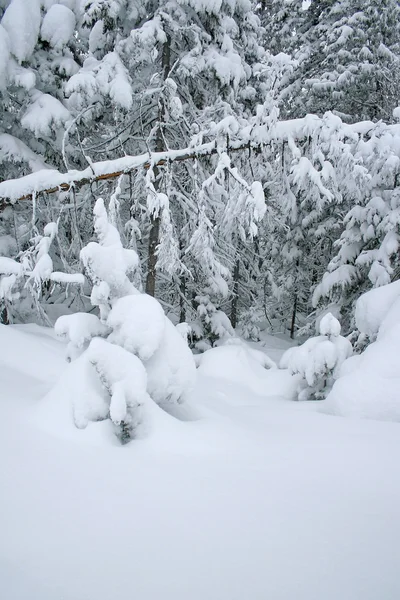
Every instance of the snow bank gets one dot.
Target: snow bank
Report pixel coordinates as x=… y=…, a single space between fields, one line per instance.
x=282 y=503
x=23 y=349
x=374 y=306
x=246 y=367
x=369 y=384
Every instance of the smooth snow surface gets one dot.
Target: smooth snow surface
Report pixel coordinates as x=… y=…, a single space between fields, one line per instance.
x=249 y=497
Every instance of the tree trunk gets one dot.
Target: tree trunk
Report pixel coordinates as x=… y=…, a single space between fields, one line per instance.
x=155 y=221
x=152 y=259
x=182 y=307
x=235 y=297
x=293 y=323
x=4 y=316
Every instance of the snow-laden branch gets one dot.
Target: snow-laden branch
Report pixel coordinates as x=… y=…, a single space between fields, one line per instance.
x=253 y=134
x=51 y=180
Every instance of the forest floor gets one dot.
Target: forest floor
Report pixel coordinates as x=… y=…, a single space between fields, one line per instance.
x=249 y=496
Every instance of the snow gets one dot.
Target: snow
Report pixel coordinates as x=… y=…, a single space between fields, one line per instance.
x=4 y=56
x=373 y=307
x=369 y=386
x=329 y=325
x=108 y=262
x=11 y=148
x=257 y=498
x=43 y=114
x=253 y=133
x=9 y=266
x=124 y=378
x=22 y=22
x=75 y=278
x=171 y=370
x=319 y=359
x=239 y=364
x=78 y=329
x=58 y=26
x=139 y=325
x=108 y=77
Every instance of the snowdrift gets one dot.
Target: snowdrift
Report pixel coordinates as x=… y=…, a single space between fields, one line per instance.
x=248 y=368
x=31 y=350
x=369 y=384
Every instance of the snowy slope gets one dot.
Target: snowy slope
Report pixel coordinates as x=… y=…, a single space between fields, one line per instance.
x=256 y=498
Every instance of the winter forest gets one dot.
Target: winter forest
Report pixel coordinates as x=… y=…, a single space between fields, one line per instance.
x=199 y=299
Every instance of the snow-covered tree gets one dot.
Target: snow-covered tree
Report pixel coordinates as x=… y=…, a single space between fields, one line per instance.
x=348 y=59
x=318 y=360
x=367 y=250
x=25 y=280
x=137 y=353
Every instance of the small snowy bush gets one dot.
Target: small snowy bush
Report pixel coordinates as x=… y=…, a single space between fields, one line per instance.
x=135 y=351
x=318 y=360
x=124 y=378
x=23 y=281
x=140 y=326
x=249 y=324
x=78 y=329
x=212 y=325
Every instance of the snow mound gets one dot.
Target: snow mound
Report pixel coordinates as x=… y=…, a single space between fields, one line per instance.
x=246 y=367
x=171 y=371
x=25 y=350
x=373 y=306
x=368 y=385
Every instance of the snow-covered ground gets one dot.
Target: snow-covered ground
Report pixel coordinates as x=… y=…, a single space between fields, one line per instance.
x=249 y=496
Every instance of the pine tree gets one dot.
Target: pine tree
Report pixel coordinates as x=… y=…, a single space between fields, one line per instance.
x=349 y=59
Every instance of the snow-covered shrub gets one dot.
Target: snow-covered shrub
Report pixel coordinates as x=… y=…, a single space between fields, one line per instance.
x=124 y=378
x=212 y=325
x=249 y=324
x=368 y=384
x=143 y=354
x=318 y=360
x=26 y=279
x=107 y=263
x=140 y=326
x=78 y=329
